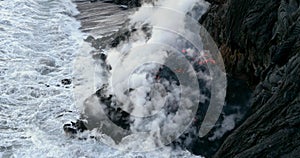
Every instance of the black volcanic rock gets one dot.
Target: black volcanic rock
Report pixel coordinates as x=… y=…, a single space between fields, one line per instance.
x=260 y=43
x=129 y=3
x=272 y=129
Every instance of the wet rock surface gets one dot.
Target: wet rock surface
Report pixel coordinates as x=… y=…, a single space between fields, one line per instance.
x=101 y=20
x=66 y=81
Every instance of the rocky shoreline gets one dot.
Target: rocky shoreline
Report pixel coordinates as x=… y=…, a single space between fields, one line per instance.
x=259 y=42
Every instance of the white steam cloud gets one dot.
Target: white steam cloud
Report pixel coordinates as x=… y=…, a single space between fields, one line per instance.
x=136 y=62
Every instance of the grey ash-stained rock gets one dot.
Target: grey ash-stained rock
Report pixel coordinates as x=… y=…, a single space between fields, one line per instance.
x=101 y=20
x=260 y=43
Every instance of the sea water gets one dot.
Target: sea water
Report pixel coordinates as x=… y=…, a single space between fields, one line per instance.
x=39 y=41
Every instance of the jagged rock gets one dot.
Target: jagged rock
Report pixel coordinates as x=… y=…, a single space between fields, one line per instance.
x=272 y=129
x=246 y=31
x=259 y=41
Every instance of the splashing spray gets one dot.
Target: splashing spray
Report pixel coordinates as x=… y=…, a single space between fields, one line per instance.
x=154 y=78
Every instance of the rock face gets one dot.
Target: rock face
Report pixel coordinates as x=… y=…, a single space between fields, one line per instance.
x=272 y=128
x=130 y=3
x=260 y=43
x=101 y=20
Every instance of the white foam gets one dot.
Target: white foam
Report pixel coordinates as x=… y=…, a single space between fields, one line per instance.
x=38 y=45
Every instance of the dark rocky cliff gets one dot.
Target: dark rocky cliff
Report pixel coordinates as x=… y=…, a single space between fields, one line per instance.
x=260 y=43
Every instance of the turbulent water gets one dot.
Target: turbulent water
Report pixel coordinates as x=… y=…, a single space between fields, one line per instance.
x=39 y=40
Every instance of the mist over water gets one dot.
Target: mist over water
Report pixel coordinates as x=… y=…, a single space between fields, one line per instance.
x=163 y=30
x=39 y=45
